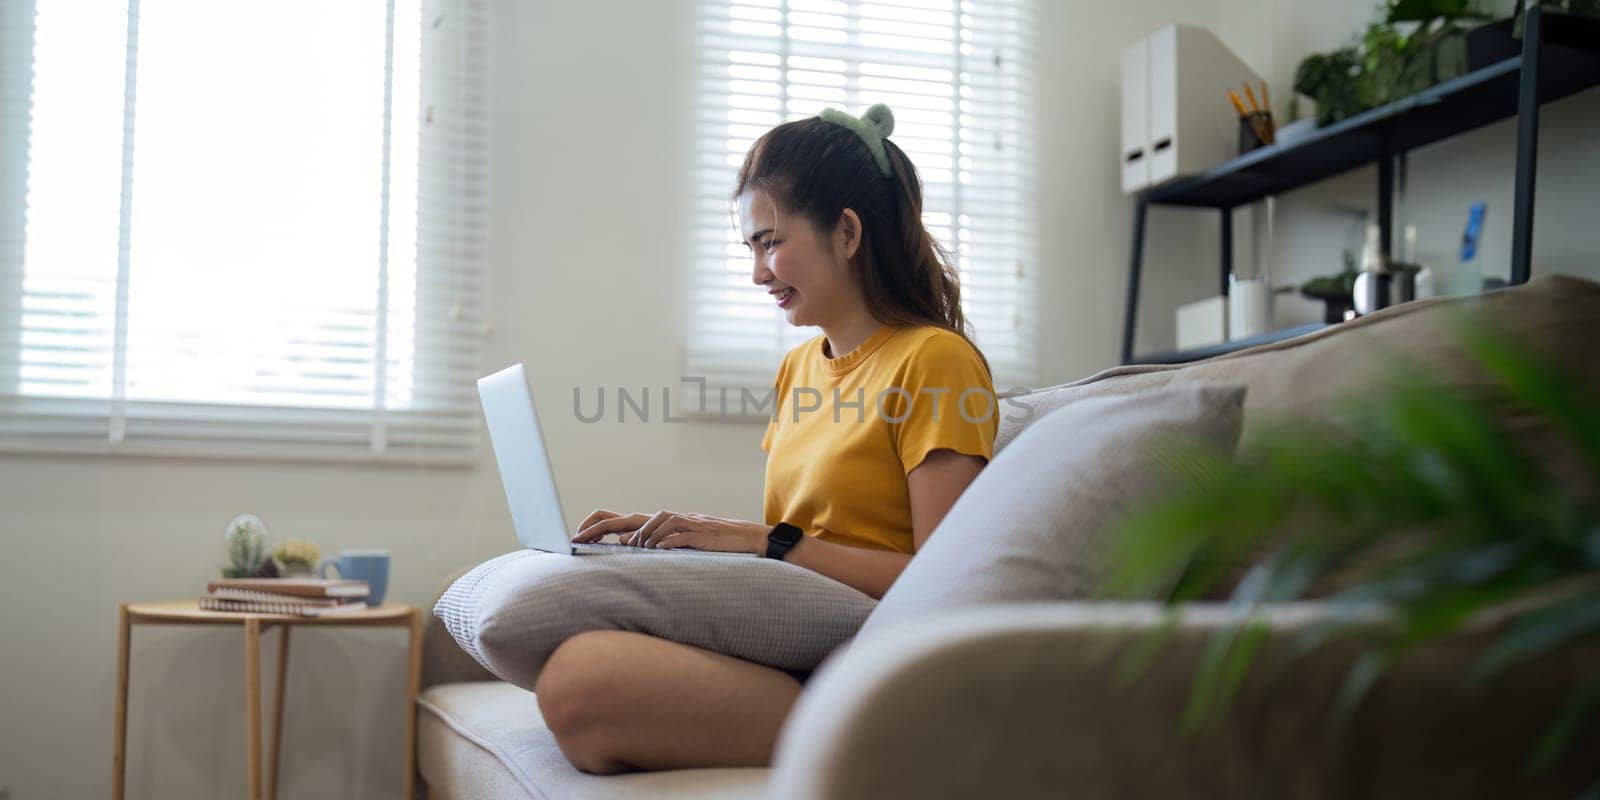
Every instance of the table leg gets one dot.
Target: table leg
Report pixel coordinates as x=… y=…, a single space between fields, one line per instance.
x=252 y=700
x=277 y=715
x=119 y=761
x=413 y=686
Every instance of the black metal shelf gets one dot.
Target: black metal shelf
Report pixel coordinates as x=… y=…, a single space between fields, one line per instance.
x=1448 y=109
x=1515 y=87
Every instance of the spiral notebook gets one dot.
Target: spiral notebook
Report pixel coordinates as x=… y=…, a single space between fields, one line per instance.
x=283 y=605
x=299 y=587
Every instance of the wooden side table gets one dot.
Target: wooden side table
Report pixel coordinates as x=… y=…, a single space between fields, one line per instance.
x=187 y=612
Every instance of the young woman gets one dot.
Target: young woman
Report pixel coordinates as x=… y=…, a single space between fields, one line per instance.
x=879 y=425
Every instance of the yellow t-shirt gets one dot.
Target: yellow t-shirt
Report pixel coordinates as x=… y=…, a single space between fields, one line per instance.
x=847 y=430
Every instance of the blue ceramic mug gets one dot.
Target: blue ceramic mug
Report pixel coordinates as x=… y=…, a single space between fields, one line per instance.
x=371 y=566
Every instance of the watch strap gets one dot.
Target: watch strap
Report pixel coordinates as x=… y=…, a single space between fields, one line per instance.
x=781 y=539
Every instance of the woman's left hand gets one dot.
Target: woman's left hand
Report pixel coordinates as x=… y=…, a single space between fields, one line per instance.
x=669 y=529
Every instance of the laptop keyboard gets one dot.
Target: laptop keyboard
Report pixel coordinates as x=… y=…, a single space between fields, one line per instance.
x=609 y=547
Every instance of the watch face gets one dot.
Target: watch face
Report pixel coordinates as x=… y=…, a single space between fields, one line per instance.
x=782 y=537
x=787 y=534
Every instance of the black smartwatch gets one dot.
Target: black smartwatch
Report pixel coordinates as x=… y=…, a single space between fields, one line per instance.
x=781 y=538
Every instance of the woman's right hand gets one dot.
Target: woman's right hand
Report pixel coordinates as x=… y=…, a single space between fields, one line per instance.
x=601 y=522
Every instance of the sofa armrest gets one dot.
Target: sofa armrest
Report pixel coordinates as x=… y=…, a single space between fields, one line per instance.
x=1035 y=701
x=443 y=661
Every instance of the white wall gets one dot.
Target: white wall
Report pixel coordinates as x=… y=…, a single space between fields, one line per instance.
x=1085 y=223
x=588 y=229
x=589 y=190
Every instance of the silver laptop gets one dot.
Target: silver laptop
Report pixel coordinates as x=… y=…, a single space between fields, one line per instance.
x=525 y=472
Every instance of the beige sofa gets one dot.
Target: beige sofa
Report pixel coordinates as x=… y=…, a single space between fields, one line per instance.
x=1030 y=701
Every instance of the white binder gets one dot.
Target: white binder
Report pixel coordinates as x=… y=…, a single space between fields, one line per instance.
x=1176 y=118
x=1135 y=115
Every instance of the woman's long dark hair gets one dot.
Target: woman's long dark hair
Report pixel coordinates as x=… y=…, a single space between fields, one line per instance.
x=818 y=169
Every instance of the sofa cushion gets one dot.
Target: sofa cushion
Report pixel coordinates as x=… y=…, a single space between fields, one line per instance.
x=1030 y=527
x=487 y=739
x=442 y=660
x=511 y=612
x=1307 y=376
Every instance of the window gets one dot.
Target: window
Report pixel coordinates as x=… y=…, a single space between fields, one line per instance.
x=242 y=228
x=959 y=76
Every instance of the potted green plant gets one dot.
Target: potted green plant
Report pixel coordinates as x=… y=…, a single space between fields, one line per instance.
x=1416 y=44
x=1336 y=292
x=1424 y=496
x=297 y=558
x=246 y=536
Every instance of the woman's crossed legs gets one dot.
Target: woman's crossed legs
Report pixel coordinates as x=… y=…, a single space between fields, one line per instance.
x=619 y=701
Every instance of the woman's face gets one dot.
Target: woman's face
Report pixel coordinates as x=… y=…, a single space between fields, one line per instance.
x=805 y=272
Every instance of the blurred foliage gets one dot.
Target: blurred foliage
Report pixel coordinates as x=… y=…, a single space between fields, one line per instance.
x=1413 y=498
x=1339 y=287
x=1414 y=45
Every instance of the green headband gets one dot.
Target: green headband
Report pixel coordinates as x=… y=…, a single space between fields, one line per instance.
x=873 y=127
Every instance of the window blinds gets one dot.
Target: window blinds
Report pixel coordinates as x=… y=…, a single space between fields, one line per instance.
x=242 y=229
x=960 y=78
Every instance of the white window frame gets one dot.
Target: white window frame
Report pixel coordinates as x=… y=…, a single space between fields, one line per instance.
x=440 y=424
x=987 y=218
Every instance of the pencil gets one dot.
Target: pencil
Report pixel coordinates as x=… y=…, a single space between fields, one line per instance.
x=1233 y=97
x=1266 y=102
x=1251 y=96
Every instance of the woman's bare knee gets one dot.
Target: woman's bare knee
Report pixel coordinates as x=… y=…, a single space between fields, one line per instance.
x=571 y=687
x=592 y=754
x=572 y=697
x=617 y=701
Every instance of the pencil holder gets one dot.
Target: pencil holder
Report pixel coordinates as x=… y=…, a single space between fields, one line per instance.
x=1255 y=130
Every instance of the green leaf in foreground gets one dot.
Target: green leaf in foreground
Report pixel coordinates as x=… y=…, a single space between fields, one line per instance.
x=1416 y=498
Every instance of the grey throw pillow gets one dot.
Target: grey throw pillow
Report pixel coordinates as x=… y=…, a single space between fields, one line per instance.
x=1030 y=527
x=511 y=612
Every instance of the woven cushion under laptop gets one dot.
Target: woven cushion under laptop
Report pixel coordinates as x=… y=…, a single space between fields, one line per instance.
x=511 y=612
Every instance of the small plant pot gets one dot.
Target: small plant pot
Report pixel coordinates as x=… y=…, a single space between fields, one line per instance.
x=1571 y=30
x=1497 y=41
x=295 y=570
x=1491 y=44
x=1337 y=309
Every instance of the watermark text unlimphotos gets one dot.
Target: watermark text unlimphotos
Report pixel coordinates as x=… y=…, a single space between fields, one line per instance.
x=895 y=404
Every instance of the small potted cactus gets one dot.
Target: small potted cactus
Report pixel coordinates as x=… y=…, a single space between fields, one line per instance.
x=246 y=536
x=296 y=558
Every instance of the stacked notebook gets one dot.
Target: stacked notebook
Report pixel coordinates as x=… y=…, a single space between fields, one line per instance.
x=302 y=597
